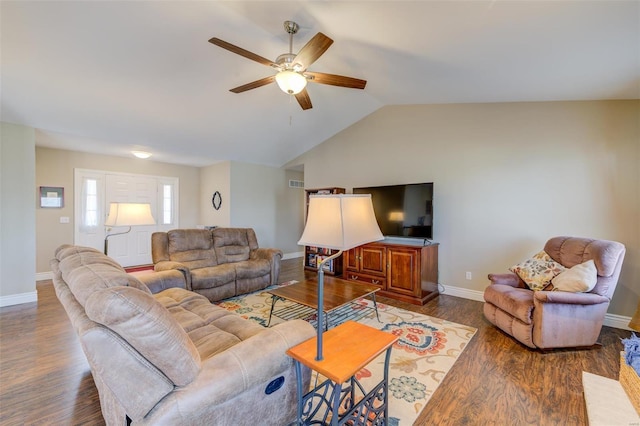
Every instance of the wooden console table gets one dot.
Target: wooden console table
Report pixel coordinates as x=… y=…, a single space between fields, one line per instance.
x=402 y=271
x=347 y=349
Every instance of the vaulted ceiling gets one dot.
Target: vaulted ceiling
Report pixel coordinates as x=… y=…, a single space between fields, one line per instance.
x=108 y=77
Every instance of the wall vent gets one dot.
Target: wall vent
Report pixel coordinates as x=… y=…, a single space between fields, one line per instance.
x=296 y=183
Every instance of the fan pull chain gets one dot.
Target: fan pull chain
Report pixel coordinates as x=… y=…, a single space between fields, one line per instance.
x=290 y=109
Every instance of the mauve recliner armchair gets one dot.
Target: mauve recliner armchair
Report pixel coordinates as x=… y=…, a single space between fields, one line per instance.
x=557 y=319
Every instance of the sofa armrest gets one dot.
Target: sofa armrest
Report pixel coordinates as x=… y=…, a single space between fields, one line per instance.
x=168 y=265
x=162 y=280
x=266 y=253
x=510 y=279
x=274 y=256
x=568 y=298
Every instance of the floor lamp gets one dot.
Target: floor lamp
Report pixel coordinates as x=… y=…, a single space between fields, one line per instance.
x=127 y=214
x=338 y=222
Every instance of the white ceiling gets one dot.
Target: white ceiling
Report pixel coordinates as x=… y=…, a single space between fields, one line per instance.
x=108 y=77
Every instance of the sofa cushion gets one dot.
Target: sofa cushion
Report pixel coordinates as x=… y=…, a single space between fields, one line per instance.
x=231 y=244
x=192 y=247
x=74 y=256
x=537 y=271
x=252 y=268
x=88 y=272
x=149 y=328
x=211 y=328
x=214 y=276
x=571 y=251
x=580 y=278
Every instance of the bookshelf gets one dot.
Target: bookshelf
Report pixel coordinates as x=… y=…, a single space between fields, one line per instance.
x=314 y=255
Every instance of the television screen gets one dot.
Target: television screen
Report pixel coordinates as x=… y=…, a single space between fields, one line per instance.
x=403 y=210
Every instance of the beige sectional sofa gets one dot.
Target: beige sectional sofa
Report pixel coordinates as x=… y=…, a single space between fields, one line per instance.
x=173 y=358
x=218 y=263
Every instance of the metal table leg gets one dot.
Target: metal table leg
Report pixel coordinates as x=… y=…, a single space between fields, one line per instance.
x=274 y=299
x=375 y=305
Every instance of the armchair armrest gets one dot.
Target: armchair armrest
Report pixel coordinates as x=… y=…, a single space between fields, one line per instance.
x=509 y=278
x=569 y=298
x=167 y=265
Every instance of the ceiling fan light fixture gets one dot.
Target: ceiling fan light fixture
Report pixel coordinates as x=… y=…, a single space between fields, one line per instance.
x=291 y=82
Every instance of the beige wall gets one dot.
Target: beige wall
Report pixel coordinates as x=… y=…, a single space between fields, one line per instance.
x=254 y=196
x=507 y=177
x=17 y=214
x=55 y=167
x=262 y=200
x=216 y=177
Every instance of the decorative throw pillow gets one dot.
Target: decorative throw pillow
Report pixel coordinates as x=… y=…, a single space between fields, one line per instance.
x=581 y=278
x=538 y=271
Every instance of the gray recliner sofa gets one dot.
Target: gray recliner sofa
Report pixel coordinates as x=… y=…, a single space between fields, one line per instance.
x=173 y=358
x=218 y=263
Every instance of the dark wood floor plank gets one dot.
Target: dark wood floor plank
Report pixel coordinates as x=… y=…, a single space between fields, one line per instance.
x=45 y=378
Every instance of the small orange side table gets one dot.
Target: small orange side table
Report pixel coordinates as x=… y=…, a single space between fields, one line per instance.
x=347 y=349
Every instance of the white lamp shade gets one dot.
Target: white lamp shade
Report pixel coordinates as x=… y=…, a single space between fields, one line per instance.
x=291 y=82
x=130 y=214
x=340 y=222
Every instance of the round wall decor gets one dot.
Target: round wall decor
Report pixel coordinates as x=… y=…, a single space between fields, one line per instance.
x=216 y=200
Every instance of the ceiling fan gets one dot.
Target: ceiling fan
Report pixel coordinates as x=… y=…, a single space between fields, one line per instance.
x=292 y=75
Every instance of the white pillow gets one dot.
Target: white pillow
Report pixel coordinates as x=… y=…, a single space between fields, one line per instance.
x=581 y=278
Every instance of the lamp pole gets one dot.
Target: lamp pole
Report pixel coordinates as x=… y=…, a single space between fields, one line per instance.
x=321 y=303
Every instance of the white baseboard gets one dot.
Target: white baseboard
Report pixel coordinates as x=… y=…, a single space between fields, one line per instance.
x=610 y=320
x=41 y=276
x=292 y=255
x=464 y=293
x=18 y=299
x=617 y=321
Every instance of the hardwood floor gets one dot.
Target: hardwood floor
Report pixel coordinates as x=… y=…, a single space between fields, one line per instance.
x=45 y=378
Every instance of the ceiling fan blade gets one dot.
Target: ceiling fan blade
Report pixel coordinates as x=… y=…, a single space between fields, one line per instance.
x=336 y=80
x=254 y=84
x=303 y=99
x=242 y=52
x=312 y=51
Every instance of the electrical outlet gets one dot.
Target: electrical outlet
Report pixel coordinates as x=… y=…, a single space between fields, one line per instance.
x=467 y=275
x=64 y=219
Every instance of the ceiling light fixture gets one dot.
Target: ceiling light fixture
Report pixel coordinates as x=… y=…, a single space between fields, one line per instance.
x=291 y=82
x=141 y=154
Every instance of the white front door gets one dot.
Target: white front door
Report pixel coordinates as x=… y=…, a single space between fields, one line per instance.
x=95 y=190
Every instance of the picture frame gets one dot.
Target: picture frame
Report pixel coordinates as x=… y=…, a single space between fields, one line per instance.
x=51 y=197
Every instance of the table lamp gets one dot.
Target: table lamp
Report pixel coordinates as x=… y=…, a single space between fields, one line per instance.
x=338 y=222
x=127 y=214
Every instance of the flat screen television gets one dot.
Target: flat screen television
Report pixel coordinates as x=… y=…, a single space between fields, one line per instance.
x=403 y=210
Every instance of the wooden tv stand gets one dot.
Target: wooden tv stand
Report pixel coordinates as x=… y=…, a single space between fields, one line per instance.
x=403 y=271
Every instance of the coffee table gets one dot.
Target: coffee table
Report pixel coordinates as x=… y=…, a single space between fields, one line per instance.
x=337 y=294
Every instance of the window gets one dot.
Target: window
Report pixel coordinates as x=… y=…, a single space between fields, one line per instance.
x=90 y=208
x=167 y=204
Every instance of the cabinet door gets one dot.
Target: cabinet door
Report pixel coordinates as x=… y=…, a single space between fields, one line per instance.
x=351 y=259
x=404 y=271
x=373 y=260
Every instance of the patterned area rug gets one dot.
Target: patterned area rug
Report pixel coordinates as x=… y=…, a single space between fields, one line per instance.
x=426 y=350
